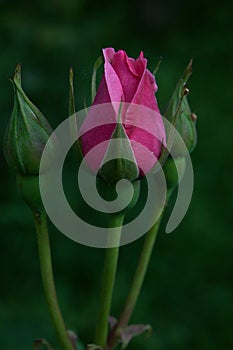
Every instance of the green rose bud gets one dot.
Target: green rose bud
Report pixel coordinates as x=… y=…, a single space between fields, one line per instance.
x=181 y=117
x=26 y=135
x=27 y=132
x=179 y=114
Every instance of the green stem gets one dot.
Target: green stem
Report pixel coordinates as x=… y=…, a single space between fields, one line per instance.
x=108 y=279
x=48 y=280
x=136 y=285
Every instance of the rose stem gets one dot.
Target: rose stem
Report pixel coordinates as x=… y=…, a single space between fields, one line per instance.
x=138 y=280
x=48 y=279
x=108 y=279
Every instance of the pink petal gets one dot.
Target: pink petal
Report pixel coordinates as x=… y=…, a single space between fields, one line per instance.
x=146 y=157
x=113 y=82
x=145 y=94
x=129 y=81
x=93 y=138
x=108 y=54
x=102 y=95
x=137 y=66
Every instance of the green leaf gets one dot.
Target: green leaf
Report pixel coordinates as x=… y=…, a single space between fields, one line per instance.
x=132 y=331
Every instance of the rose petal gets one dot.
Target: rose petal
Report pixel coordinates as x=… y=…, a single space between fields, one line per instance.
x=129 y=81
x=145 y=94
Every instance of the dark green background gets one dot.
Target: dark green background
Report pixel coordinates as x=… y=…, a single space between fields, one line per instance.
x=187 y=296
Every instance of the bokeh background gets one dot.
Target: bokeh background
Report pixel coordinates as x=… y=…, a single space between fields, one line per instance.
x=187 y=296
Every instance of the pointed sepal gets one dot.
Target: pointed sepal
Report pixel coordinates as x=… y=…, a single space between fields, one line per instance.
x=179 y=114
x=119 y=161
x=96 y=67
x=73 y=116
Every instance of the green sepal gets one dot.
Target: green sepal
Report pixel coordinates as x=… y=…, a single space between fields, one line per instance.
x=123 y=163
x=29 y=190
x=180 y=116
x=170 y=171
x=155 y=71
x=73 y=121
x=27 y=133
x=108 y=192
x=96 y=67
x=72 y=108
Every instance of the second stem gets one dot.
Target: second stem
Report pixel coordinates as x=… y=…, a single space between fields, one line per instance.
x=136 y=285
x=48 y=280
x=108 y=279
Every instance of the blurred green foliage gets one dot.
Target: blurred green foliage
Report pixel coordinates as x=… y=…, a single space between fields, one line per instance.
x=187 y=296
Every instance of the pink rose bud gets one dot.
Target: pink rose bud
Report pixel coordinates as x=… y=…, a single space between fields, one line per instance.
x=127 y=83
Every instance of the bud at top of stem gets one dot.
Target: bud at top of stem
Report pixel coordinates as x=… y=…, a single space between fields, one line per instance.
x=178 y=112
x=27 y=132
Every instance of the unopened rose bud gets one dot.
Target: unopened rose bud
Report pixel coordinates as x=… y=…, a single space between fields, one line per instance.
x=128 y=81
x=180 y=115
x=27 y=134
